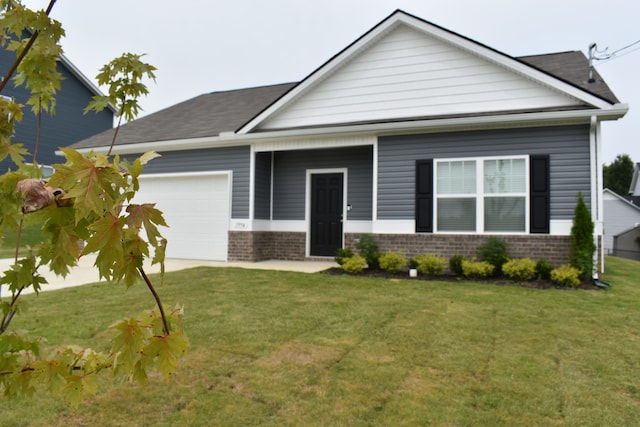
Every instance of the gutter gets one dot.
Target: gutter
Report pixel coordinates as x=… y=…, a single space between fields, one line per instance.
x=228 y=139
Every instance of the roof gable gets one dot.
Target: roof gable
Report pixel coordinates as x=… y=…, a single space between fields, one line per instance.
x=407 y=68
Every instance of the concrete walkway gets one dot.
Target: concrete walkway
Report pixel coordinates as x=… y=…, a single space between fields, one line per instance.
x=85 y=272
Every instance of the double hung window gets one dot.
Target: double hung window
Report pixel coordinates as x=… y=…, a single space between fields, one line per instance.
x=482 y=195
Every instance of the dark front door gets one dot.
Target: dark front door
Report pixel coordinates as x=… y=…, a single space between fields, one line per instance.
x=326 y=213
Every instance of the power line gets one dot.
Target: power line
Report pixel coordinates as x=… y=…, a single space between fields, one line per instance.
x=605 y=56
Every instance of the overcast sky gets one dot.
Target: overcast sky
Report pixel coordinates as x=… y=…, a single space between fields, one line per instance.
x=202 y=46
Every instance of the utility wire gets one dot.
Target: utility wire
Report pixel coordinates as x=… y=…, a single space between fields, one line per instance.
x=608 y=57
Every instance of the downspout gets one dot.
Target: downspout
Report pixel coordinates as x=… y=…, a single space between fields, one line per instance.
x=596 y=192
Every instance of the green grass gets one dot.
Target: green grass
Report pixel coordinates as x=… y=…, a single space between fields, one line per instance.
x=292 y=349
x=30 y=236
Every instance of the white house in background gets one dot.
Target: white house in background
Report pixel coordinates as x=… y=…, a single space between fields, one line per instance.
x=620 y=215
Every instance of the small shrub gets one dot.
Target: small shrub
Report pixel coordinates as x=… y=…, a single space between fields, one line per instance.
x=477 y=269
x=566 y=275
x=494 y=251
x=582 y=244
x=392 y=262
x=519 y=269
x=543 y=269
x=354 y=264
x=455 y=264
x=430 y=265
x=342 y=254
x=368 y=248
x=413 y=263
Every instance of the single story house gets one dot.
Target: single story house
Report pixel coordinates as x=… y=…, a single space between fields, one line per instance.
x=621 y=214
x=425 y=139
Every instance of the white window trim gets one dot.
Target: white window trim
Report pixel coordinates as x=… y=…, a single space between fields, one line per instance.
x=479 y=195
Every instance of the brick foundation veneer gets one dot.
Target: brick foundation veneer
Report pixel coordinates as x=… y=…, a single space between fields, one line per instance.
x=253 y=246
x=554 y=249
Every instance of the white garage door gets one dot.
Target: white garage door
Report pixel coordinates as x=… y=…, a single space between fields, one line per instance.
x=196 y=208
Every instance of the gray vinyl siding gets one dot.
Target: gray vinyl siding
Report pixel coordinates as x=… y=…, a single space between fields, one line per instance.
x=290 y=169
x=235 y=159
x=67 y=126
x=263 y=186
x=567 y=146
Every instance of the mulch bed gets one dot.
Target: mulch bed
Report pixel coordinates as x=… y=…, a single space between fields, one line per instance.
x=498 y=281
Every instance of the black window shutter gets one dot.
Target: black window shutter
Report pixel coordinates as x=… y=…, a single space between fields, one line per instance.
x=540 y=194
x=424 y=196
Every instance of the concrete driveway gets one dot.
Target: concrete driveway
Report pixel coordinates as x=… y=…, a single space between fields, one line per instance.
x=85 y=272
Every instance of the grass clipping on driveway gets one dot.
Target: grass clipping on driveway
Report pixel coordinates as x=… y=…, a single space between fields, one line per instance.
x=291 y=349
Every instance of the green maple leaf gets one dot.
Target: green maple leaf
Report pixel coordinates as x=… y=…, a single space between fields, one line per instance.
x=16 y=152
x=135 y=250
x=52 y=373
x=23 y=274
x=135 y=169
x=90 y=181
x=127 y=345
x=107 y=240
x=159 y=255
x=63 y=249
x=20 y=384
x=148 y=217
x=165 y=350
x=77 y=386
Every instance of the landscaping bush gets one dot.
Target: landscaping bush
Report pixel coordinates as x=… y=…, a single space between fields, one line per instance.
x=477 y=269
x=342 y=254
x=368 y=248
x=392 y=261
x=566 y=275
x=582 y=244
x=455 y=264
x=519 y=269
x=543 y=269
x=430 y=265
x=494 y=251
x=354 y=264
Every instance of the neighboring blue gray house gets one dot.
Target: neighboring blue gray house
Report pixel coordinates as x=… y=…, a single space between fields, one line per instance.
x=68 y=125
x=423 y=138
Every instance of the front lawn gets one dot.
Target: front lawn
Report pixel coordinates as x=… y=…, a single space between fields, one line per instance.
x=293 y=349
x=30 y=236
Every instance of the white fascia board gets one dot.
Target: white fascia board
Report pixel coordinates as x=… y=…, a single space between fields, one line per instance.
x=389 y=128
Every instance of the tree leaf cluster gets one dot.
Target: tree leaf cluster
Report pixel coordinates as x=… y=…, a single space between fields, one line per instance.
x=86 y=207
x=617 y=176
x=123 y=77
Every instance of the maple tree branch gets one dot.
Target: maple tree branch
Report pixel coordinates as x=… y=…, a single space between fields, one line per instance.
x=115 y=134
x=35 y=150
x=8 y=317
x=157 y=298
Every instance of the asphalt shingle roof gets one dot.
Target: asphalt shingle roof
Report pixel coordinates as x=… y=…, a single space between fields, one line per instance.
x=573 y=68
x=217 y=112
x=205 y=115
